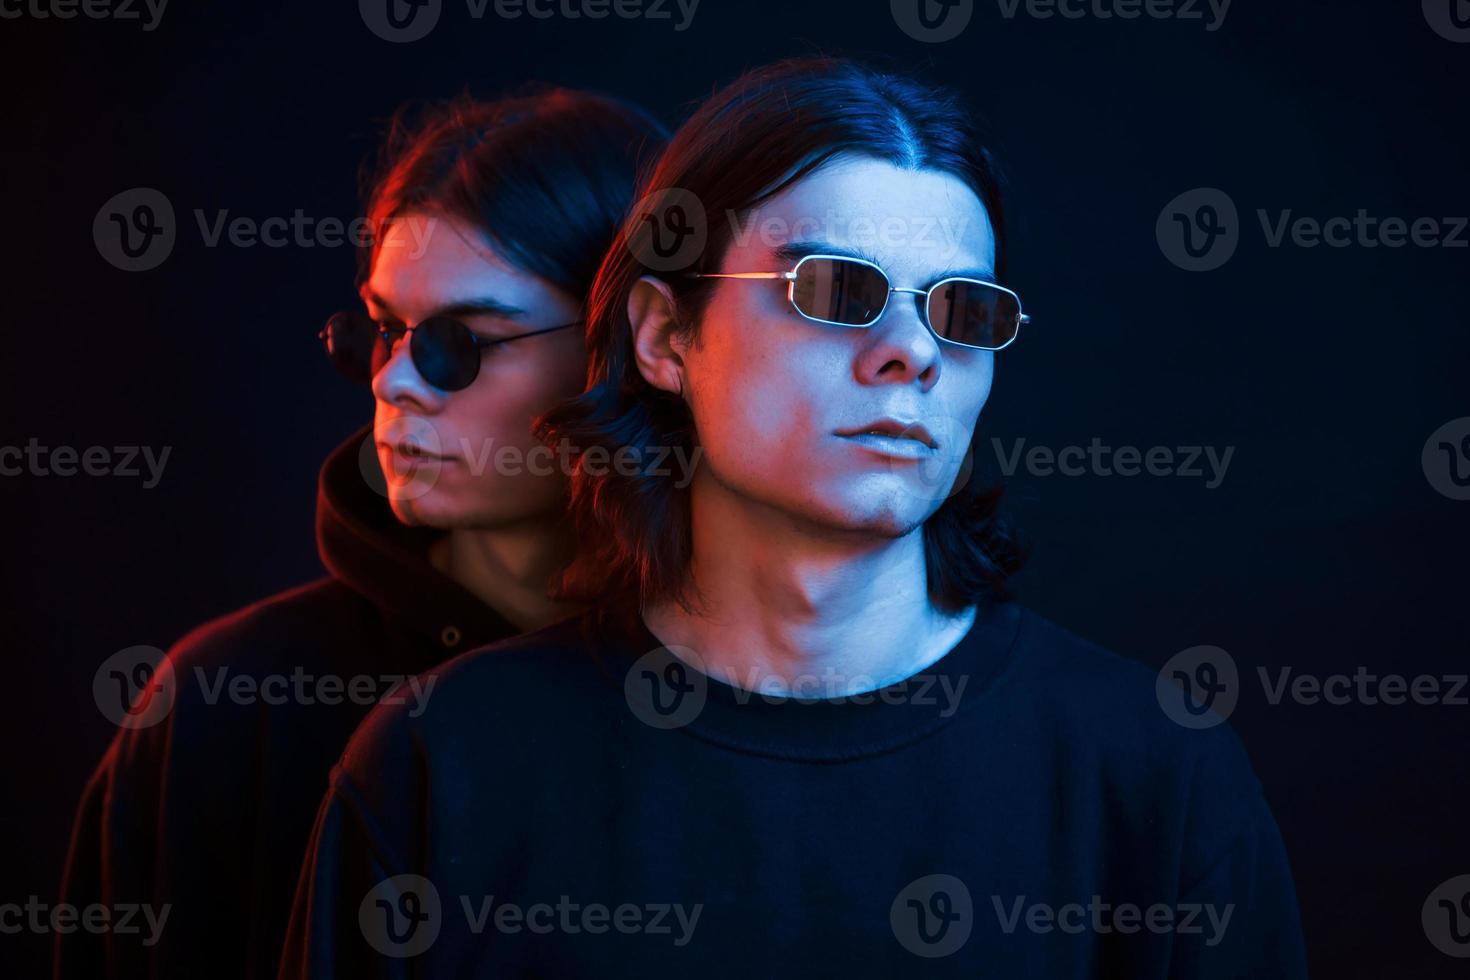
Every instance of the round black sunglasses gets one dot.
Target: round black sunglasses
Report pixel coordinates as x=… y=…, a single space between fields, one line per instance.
x=445 y=352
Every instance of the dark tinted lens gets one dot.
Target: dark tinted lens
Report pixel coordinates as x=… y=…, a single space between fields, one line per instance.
x=444 y=352
x=840 y=290
x=350 y=339
x=973 y=313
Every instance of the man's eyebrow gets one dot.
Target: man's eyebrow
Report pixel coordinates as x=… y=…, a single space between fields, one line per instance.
x=794 y=252
x=475 y=306
x=968 y=272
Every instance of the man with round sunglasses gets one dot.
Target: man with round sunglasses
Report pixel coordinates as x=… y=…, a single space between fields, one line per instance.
x=490 y=219
x=804 y=731
x=446 y=353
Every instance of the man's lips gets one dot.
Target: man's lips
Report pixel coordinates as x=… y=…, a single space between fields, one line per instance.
x=409 y=450
x=893 y=428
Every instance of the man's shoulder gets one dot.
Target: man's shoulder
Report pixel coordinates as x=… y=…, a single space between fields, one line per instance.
x=1114 y=710
x=196 y=721
x=270 y=631
x=1081 y=671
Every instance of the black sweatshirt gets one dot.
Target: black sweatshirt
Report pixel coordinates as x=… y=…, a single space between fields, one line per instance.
x=577 y=802
x=209 y=811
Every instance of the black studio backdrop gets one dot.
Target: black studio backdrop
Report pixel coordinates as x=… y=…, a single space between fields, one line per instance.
x=1330 y=543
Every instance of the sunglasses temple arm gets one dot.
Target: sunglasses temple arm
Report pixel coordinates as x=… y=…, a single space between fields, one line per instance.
x=533 y=333
x=742 y=275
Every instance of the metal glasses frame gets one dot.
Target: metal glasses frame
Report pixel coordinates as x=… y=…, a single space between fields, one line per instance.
x=928 y=294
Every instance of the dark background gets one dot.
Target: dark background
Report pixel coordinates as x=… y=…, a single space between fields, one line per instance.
x=1325 y=548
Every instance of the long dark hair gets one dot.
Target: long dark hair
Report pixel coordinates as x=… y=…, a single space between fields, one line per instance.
x=547 y=173
x=760 y=134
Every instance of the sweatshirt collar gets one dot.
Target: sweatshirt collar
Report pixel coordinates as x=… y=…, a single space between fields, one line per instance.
x=665 y=691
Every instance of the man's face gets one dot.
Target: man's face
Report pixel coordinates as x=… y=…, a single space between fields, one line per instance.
x=780 y=402
x=439 y=449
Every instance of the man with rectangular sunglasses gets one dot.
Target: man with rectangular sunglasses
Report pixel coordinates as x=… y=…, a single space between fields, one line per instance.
x=805 y=732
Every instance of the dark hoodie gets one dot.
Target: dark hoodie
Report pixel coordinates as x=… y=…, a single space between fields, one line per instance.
x=205 y=815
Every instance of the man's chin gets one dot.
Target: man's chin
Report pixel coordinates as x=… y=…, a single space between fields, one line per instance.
x=867 y=518
x=438 y=509
x=417 y=510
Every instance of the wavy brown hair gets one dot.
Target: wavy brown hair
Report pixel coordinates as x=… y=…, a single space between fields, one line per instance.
x=547 y=173
x=752 y=139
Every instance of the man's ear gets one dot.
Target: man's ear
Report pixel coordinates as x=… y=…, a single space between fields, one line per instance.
x=654 y=320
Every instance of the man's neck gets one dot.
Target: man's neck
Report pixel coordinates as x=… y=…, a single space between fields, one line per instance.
x=783 y=606
x=508 y=568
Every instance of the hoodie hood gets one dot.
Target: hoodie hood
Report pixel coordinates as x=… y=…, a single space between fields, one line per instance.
x=370 y=551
